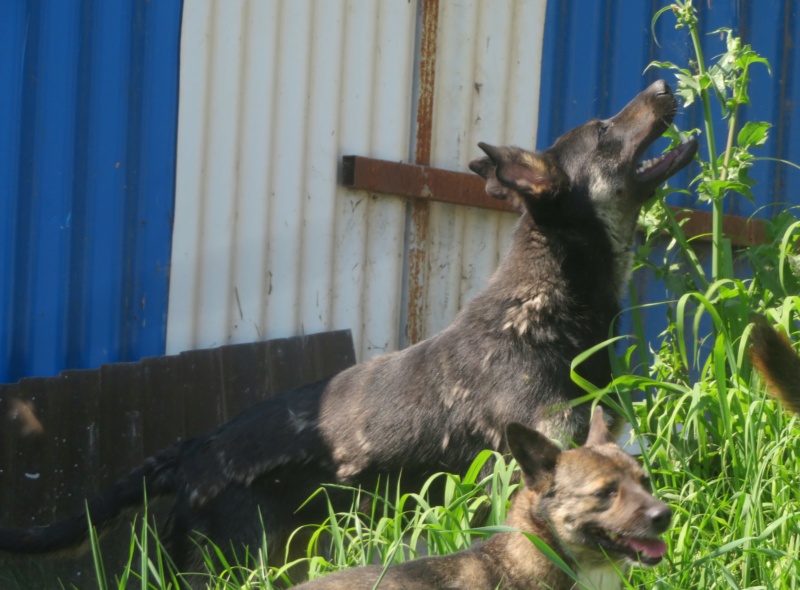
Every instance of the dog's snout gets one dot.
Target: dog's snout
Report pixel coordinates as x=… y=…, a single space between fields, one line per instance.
x=660 y=87
x=660 y=516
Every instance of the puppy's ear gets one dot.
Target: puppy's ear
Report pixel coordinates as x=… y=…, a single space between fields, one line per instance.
x=531 y=175
x=536 y=454
x=598 y=431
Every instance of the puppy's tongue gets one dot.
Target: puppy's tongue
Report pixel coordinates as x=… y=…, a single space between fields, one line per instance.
x=651 y=547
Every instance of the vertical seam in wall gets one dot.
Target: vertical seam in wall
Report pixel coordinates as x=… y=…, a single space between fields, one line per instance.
x=463 y=214
x=304 y=197
x=783 y=94
x=365 y=252
x=333 y=321
x=270 y=170
x=236 y=189
x=202 y=198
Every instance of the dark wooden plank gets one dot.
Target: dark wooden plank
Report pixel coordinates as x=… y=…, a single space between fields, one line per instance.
x=73 y=400
x=120 y=421
x=244 y=376
x=33 y=457
x=11 y=468
x=204 y=406
x=286 y=367
x=332 y=352
x=163 y=420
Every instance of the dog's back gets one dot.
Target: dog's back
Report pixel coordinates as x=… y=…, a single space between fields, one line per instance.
x=591 y=505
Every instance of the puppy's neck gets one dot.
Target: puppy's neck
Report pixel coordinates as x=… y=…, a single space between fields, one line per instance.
x=522 y=565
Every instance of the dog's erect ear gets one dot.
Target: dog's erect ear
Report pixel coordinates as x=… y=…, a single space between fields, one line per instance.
x=483 y=167
x=598 y=431
x=531 y=175
x=536 y=454
x=486 y=169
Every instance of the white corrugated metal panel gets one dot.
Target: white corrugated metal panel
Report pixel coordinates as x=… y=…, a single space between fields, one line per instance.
x=266 y=244
x=488 y=67
x=273 y=93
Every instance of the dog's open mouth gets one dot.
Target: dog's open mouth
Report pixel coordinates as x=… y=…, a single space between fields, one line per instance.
x=648 y=551
x=659 y=169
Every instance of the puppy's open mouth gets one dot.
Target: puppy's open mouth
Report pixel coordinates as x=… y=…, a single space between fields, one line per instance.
x=657 y=170
x=645 y=550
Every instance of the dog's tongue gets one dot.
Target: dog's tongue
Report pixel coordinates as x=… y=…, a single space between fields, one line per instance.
x=651 y=547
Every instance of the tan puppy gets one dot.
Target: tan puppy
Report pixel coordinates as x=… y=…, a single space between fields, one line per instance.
x=592 y=505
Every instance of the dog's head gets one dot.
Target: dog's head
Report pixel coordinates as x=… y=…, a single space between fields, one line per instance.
x=596 y=499
x=595 y=167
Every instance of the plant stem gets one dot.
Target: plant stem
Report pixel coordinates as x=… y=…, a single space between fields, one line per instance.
x=716 y=219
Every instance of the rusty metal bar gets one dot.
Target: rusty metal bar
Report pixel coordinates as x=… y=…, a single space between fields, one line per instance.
x=742 y=231
x=463 y=188
x=422 y=182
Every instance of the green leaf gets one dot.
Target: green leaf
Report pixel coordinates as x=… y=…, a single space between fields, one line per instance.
x=753 y=133
x=750 y=57
x=718 y=188
x=666 y=65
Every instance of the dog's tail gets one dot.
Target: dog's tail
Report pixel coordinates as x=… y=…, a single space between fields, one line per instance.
x=157 y=476
x=773 y=356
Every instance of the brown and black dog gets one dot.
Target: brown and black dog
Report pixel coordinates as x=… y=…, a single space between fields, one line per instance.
x=435 y=405
x=591 y=505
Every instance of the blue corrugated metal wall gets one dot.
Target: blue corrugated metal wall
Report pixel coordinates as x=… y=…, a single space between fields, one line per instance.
x=88 y=117
x=595 y=54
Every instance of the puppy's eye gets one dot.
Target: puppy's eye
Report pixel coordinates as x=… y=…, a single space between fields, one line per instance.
x=646 y=483
x=602 y=128
x=607 y=492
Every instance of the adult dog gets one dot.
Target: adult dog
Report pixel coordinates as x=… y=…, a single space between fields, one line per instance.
x=433 y=406
x=592 y=505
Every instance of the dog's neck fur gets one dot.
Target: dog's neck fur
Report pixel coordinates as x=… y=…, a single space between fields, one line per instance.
x=521 y=565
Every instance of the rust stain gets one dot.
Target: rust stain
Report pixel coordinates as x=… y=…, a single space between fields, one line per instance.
x=420 y=209
x=427 y=79
x=417 y=272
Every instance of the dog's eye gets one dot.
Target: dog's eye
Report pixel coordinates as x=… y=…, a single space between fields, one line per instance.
x=606 y=492
x=602 y=128
x=645 y=481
